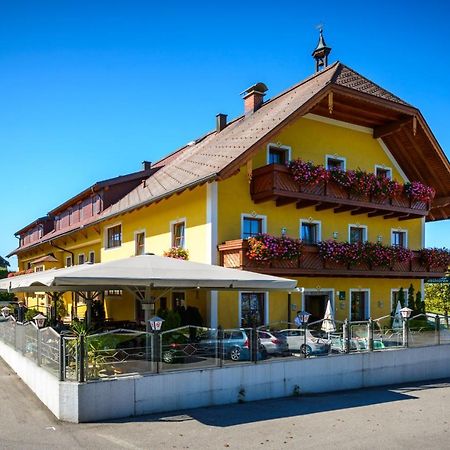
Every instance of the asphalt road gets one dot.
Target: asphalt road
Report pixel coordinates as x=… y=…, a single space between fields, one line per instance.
x=408 y=416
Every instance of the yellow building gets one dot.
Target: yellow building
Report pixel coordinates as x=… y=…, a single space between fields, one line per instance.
x=213 y=194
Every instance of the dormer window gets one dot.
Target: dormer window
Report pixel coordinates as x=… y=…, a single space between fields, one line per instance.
x=335 y=163
x=278 y=154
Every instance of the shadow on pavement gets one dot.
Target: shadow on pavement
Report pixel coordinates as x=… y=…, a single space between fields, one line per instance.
x=244 y=413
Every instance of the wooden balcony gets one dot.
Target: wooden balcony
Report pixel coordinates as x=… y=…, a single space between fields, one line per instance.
x=275 y=182
x=233 y=254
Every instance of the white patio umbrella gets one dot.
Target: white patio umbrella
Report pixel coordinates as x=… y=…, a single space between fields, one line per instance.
x=328 y=324
x=397 y=322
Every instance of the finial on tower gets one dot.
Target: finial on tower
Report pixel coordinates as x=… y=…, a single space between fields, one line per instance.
x=321 y=52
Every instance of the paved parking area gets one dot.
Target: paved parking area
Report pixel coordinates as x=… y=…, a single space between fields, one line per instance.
x=411 y=416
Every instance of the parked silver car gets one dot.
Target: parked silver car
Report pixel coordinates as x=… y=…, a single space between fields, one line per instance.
x=313 y=346
x=274 y=342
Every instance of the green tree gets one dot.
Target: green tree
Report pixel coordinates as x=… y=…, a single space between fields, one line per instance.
x=411 y=300
x=420 y=304
x=401 y=298
x=437 y=298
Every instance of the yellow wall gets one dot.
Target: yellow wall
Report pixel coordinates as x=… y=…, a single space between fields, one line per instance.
x=380 y=298
x=155 y=221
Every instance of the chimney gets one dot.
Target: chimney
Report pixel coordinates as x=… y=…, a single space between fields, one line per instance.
x=221 y=122
x=253 y=97
x=146 y=165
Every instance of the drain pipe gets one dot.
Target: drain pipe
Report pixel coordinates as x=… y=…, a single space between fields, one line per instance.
x=64 y=250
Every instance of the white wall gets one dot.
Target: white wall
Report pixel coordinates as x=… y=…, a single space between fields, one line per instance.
x=137 y=395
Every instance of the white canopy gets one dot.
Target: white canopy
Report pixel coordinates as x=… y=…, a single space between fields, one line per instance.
x=144 y=271
x=397 y=322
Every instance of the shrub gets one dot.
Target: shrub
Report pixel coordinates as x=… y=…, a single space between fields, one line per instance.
x=265 y=247
x=177 y=253
x=435 y=257
x=418 y=191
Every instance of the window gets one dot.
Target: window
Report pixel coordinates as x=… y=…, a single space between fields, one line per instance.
x=253 y=309
x=178 y=300
x=399 y=238
x=139 y=243
x=310 y=232
x=114 y=293
x=68 y=261
x=357 y=234
x=334 y=162
x=81 y=259
x=384 y=172
x=114 y=236
x=178 y=234
x=92 y=257
x=278 y=154
x=252 y=225
x=39 y=269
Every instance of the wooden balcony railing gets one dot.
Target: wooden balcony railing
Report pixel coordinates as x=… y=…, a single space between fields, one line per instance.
x=233 y=254
x=275 y=182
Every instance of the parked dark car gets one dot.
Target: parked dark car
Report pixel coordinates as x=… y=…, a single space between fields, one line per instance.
x=234 y=346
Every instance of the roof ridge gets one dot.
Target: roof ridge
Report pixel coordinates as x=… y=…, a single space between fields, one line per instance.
x=344 y=66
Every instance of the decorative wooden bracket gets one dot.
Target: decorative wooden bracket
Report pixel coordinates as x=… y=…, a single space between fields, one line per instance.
x=330 y=102
x=250 y=170
x=414 y=125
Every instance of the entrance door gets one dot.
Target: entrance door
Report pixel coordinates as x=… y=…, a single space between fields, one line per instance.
x=316 y=305
x=359 y=305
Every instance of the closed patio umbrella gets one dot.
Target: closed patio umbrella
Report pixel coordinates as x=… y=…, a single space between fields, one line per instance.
x=397 y=322
x=328 y=324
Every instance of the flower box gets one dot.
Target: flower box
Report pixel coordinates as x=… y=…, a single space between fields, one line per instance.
x=316 y=189
x=285 y=263
x=336 y=191
x=333 y=265
x=360 y=266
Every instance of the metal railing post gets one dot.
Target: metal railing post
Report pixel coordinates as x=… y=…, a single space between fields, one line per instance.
x=62 y=359
x=346 y=336
x=437 y=328
x=405 y=332
x=254 y=344
x=220 y=350
x=158 y=350
x=81 y=358
x=38 y=347
x=370 y=334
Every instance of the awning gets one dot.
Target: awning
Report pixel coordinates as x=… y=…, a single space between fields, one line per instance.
x=146 y=271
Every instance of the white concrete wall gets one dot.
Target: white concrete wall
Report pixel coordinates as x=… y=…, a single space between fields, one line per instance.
x=137 y=395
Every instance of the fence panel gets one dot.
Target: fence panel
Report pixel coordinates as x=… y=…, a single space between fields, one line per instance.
x=71 y=369
x=27 y=337
x=8 y=332
x=118 y=352
x=421 y=332
x=188 y=347
x=49 y=345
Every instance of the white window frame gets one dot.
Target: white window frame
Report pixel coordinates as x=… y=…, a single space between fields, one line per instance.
x=105 y=236
x=380 y=166
x=92 y=261
x=253 y=216
x=364 y=227
x=143 y=231
x=340 y=158
x=172 y=224
x=317 y=222
x=84 y=258
x=278 y=146
x=392 y=292
x=266 y=306
x=402 y=231
x=350 y=301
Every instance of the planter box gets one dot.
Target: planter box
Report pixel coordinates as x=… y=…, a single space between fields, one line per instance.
x=285 y=263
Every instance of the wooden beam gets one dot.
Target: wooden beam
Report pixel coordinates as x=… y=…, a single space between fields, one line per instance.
x=362 y=211
x=344 y=208
x=376 y=213
x=390 y=128
x=305 y=203
x=281 y=201
x=323 y=206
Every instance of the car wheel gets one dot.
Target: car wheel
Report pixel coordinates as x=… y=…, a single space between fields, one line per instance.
x=305 y=349
x=167 y=357
x=235 y=354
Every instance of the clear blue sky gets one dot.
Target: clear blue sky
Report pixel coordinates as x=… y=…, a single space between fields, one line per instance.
x=89 y=89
